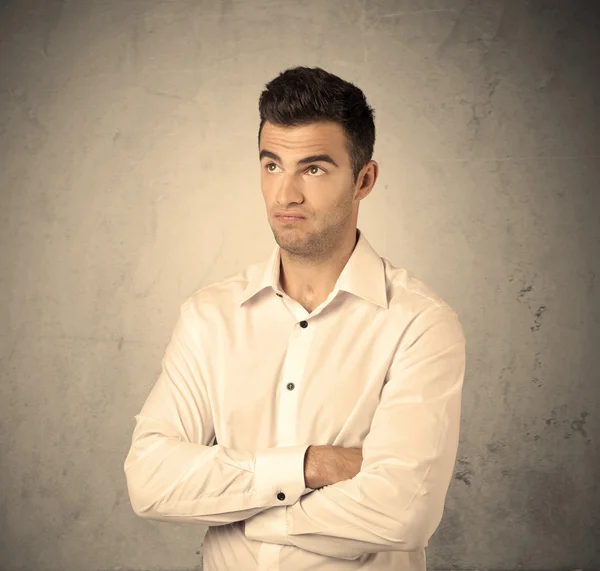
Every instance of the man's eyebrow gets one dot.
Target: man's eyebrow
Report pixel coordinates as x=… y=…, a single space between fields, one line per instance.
x=312 y=159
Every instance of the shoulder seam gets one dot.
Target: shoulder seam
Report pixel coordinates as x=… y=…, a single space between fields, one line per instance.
x=435 y=302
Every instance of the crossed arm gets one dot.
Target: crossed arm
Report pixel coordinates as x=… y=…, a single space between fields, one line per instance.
x=328 y=465
x=394 y=502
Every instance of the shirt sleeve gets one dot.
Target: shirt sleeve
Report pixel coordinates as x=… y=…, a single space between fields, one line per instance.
x=396 y=501
x=173 y=473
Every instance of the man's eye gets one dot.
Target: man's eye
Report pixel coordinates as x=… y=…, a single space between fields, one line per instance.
x=308 y=169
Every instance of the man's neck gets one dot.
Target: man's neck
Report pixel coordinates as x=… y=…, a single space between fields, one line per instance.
x=312 y=283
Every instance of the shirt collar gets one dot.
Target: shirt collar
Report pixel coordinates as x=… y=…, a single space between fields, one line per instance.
x=363 y=275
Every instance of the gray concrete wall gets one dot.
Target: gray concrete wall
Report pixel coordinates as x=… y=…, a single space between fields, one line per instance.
x=129 y=177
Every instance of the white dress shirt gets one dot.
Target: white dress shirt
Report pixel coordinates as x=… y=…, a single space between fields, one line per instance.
x=378 y=365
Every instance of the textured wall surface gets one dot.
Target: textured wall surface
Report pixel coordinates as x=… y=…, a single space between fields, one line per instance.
x=129 y=177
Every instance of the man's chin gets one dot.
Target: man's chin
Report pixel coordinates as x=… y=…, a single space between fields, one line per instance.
x=293 y=245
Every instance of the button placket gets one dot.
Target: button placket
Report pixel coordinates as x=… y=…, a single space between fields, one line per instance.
x=292 y=386
x=296 y=351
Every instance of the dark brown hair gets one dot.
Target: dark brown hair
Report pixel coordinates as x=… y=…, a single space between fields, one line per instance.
x=303 y=95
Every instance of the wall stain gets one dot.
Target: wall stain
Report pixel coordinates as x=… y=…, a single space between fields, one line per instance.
x=538 y=315
x=553 y=420
x=536 y=365
x=504 y=382
x=118 y=497
x=494 y=456
x=577 y=426
x=494 y=447
x=463 y=472
x=537 y=382
x=524 y=291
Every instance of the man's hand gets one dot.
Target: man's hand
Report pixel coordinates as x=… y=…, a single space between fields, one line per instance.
x=327 y=465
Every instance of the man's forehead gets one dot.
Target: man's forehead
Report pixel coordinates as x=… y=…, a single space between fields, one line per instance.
x=321 y=137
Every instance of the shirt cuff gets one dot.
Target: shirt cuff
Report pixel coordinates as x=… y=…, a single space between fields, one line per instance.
x=280 y=472
x=269 y=526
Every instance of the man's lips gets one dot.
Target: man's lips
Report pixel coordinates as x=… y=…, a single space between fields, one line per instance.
x=288 y=215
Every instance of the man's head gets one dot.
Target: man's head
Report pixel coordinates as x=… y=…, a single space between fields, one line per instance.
x=307 y=112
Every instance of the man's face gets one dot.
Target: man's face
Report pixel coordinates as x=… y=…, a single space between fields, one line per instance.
x=318 y=190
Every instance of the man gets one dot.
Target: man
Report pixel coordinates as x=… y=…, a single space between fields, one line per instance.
x=328 y=381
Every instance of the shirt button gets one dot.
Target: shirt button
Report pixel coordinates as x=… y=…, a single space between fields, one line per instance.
x=290 y=386
x=279 y=295
x=303 y=324
x=281 y=496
